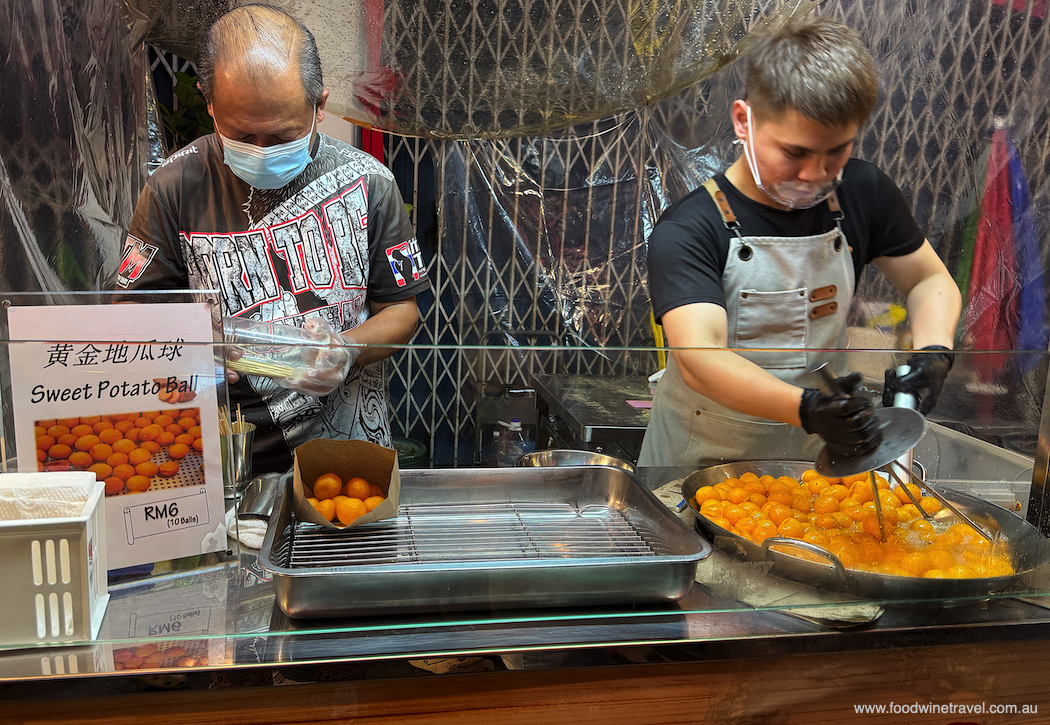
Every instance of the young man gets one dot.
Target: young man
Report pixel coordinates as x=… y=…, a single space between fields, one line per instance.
x=291 y=226
x=765 y=257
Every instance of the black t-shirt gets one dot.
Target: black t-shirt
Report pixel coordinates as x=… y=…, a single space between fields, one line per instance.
x=333 y=239
x=688 y=246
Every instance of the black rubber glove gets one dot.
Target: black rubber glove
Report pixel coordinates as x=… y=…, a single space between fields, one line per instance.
x=929 y=368
x=847 y=424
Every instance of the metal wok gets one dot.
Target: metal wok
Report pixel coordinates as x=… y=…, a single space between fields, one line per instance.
x=1026 y=546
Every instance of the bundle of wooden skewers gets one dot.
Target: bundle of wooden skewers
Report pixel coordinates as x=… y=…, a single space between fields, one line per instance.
x=229 y=426
x=259 y=366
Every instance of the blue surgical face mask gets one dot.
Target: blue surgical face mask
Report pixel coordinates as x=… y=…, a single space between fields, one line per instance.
x=267 y=167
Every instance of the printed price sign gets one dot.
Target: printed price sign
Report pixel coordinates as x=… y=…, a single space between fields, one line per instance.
x=104 y=394
x=161 y=517
x=182 y=622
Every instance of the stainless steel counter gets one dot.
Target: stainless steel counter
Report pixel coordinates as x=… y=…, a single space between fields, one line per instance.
x=588 y=411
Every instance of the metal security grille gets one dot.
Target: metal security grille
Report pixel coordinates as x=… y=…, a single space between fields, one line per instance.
x=948 y=78
x=541 y=241
x=554 y=258
x=547 y=234
x=512 y=68
x=164 y=64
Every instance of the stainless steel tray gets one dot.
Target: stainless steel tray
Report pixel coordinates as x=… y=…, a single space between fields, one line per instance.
x=488 y=538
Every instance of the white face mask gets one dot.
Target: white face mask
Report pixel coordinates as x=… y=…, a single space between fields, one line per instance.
x=267 y=167
x=792 y=194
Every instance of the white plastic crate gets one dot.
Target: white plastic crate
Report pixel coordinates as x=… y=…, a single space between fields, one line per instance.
x=53 y=574
x=52 y=661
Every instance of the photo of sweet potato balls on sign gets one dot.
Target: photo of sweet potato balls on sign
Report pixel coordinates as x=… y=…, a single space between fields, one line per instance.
x=131 y=452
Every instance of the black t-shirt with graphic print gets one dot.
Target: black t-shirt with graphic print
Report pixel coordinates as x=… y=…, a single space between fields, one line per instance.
x=688 y=247
x=336 y=237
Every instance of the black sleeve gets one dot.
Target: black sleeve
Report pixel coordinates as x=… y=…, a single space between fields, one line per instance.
x=396 y=267
x=686 y=255
x=152 y=254
x=895 y=232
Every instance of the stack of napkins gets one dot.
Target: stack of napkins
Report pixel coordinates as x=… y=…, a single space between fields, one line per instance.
x=44 y=495
x=249 y=530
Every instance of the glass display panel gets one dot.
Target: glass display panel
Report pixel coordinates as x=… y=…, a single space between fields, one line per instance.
x=638 y=568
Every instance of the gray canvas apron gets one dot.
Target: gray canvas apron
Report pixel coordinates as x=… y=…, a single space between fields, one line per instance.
x=787 y=299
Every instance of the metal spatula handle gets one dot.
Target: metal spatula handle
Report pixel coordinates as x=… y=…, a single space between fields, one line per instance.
x=827 y=381
x=901 y=429
x=905 y=400
x=901 y=399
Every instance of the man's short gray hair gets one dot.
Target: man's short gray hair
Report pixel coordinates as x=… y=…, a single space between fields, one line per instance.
x=815 y=66
x=261 y=39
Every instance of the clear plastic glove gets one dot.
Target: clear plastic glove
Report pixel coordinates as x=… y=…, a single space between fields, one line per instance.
x=313 y=359
x=323 y=369
x=929 y=367
x=847 y=423
x=224 y=354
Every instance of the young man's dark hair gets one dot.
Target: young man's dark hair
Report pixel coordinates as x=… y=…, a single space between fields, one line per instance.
x=816 y=66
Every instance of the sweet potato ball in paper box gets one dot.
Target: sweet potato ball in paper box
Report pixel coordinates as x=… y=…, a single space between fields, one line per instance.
x=344 y=484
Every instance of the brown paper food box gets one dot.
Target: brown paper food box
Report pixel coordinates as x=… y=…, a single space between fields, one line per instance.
x=347 y=459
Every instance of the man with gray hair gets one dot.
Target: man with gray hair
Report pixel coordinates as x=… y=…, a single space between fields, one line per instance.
x=292 y=227
x=753 y=274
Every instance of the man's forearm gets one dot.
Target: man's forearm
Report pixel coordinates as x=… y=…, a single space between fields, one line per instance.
x=392 y=324
x=737 y=383
x=933 y=311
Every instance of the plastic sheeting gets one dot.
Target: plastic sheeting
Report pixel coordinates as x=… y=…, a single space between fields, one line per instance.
x=174 y=25
x=506 y=68
x=72 y=143
x=572 y=210
x=494 y=68
x=543 y=225
x=549 y=233
x=349 y=34
x=156 y=149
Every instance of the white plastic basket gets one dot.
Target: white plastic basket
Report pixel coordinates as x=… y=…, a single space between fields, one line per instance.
x=54 y=575
x=52 y=661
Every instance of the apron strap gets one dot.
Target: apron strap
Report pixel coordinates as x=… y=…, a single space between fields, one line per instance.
x=732 y=224
x=833 y=204
x=724 y=210
x=837 y=213
x=836 y=209
x=722 y=204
